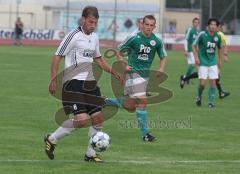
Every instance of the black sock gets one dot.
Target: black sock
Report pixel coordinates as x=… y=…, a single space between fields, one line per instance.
x=192 y=76
x=219 y=87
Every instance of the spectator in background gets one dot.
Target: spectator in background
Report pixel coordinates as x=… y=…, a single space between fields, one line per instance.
x=18 y=31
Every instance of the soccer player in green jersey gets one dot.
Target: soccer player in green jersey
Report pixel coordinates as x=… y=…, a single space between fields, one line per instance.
x=190 y=36
x=204 y=50
x=141 y=49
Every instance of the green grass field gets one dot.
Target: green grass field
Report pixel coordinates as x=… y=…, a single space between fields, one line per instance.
x=209 y=145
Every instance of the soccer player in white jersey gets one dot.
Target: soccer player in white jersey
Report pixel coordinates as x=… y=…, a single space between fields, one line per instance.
x=79 y=49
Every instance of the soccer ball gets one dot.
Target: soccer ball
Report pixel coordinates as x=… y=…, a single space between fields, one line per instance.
x=100 y=141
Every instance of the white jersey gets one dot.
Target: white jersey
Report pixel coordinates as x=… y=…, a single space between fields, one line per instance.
x=79 y=50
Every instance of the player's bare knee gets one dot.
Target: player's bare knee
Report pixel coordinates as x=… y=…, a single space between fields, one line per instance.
x=80 y=120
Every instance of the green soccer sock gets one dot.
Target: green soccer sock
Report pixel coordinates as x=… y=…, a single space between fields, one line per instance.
x=200 y=90
x=142 y=120
x=189 y=70
x=211 y=94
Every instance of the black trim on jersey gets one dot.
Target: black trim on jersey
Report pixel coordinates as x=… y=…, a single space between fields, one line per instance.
x=67 y=41
x=75 y=58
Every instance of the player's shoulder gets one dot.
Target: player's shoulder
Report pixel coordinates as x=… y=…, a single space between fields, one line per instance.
x=75 y=31
x=202 y=33
x=157 y=38
x=220 y=33
x=72 y=34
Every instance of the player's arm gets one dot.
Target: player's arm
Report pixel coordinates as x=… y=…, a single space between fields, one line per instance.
x=195 y=54
x=163 y=57
x=219 y=57
x=162 y=65
x=106 y=67
x=186 y=41
x=54 y=71
x=124 y=50
x=65 y=46
x=224 y=47
x=195 y=48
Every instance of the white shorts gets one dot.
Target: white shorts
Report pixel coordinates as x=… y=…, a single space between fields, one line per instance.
x=205 y=72
x=135 y=85
x=190 y=58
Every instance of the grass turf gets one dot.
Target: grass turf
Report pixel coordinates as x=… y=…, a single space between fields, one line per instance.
x=210 y=144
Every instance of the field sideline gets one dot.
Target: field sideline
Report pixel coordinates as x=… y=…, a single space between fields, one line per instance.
x=208 y=144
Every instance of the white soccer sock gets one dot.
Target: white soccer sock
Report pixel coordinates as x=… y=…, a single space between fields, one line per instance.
x=66 y=128
x=92 y=130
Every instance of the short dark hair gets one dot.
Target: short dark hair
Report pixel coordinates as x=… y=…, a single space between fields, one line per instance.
x=213 y=20
x=195 y=19
x=151 y=17
x=90 y=11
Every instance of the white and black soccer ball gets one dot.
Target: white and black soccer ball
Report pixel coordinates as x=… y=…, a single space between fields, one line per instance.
x=100 y=141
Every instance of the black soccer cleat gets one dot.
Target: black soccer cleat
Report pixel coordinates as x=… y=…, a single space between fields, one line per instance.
x=96 y=158
x=182 y=81
x=198 y=101
x=223 y=94
x=211 y=105
x=148 y=137
x=49 y=147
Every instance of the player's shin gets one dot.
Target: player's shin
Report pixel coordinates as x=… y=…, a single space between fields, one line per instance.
x=211 y=94
x=65 y=129
x=142 y=114
x=92 y=131
x=189 y=70
x=200 y=90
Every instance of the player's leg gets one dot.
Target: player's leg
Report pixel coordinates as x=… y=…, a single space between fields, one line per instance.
x=189 y=74
x=97 y=119
x=97 y=124
x=66 y=128
x=213 y=75
x=124 y=101
x=70 y=107
x=221 y=92
x=142 y=117
x=137 y=91
x=202 y=75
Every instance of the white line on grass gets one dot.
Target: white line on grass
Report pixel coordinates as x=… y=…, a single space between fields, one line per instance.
x=121 y=161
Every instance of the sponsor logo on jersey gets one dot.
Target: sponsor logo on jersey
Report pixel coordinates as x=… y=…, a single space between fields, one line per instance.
x=211 y=47
x=144 y=52
x=88 y=53
x=144 y=49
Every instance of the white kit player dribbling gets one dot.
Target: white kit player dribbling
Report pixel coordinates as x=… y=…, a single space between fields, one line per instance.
x=79 y=49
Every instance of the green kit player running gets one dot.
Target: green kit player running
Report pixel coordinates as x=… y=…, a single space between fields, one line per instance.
x=141 y=49
x=190 y=36
x=204 y=50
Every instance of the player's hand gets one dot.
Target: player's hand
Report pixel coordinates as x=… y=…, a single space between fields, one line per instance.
x=128 y=68
x=159 y=73
x=52 y=87
x=225 y=58
x=197 y=62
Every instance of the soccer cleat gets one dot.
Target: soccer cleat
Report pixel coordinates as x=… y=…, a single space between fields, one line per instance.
x=182 y=81
x=49 y=147
x=96 y=158
x=198 y=101
x=211 y=105
x=148 y=137
x=224 y=94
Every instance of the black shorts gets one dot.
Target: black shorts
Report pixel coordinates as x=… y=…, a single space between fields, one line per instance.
x=80 y=96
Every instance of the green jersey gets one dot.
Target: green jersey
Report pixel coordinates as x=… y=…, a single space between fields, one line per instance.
x=191 y=35
x=141 y=52
x=207 y=45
